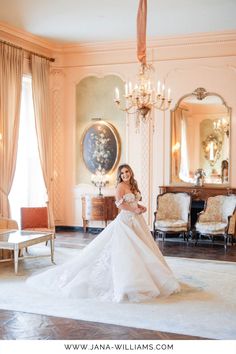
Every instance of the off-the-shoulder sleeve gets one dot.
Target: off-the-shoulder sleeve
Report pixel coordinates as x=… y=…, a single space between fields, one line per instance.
x=119 y=202
x=138 y=196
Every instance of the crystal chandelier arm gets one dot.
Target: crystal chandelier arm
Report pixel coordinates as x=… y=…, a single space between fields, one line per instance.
x=127 y=109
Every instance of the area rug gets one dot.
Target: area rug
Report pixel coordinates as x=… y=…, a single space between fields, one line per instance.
x=205 y=307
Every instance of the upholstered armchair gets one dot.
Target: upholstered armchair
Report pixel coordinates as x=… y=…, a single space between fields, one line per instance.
x=217 y=219
x=6 y=225
x=35 y=219
x=172 y=215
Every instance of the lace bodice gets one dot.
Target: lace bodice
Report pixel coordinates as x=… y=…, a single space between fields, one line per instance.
x=129 y=198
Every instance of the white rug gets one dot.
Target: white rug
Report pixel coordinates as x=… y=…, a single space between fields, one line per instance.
x=205 y=307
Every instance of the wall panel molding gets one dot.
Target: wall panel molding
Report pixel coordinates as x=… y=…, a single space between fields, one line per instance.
x=57 y=96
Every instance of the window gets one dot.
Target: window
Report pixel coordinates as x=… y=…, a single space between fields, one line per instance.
x=28 y=187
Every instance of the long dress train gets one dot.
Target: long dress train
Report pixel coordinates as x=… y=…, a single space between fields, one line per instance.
x=122 y=263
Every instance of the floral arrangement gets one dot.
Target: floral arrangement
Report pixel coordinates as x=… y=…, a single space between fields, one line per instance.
x=100 y=179
x=199 y=176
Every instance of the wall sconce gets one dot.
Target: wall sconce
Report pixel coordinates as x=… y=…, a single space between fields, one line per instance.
x=175 y=147
x=212 y=146
x=221 y=126
x=100 y=180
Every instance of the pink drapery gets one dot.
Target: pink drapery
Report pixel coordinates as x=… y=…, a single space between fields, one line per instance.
x=40 y=89
x=11 y=69
x=141 y=31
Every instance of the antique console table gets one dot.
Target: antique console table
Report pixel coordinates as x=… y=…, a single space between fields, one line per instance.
x=98 y=208
x=199 y=195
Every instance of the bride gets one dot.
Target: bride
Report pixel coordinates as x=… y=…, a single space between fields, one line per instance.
x=122 y=263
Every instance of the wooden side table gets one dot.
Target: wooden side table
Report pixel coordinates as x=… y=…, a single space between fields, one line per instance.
x=98 y=208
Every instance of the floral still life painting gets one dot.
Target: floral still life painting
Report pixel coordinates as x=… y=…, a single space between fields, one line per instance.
x=101 y=147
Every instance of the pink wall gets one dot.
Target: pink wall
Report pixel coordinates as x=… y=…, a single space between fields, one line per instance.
x=184 y=63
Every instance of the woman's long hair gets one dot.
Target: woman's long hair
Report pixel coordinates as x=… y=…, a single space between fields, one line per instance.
x=133 y=183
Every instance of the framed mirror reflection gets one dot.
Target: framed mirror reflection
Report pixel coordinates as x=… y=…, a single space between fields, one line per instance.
x=200 y=139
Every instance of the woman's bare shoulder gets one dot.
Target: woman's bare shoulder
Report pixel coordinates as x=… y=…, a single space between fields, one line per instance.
x=120 y=189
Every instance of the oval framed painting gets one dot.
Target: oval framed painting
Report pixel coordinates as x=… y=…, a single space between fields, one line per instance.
x=101 y=147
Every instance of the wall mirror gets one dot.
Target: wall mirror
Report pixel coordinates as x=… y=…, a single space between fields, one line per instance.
x=200 y=138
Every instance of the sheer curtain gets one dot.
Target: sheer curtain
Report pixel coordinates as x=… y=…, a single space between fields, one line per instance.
x=28 y=187
x=184 y=164
x=11 y=67
x=176 y=143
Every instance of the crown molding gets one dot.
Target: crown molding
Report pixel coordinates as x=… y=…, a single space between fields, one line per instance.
x=195 y=38
x=195 y=46
x=162 y=41
x=25 y=39
x=31 y=42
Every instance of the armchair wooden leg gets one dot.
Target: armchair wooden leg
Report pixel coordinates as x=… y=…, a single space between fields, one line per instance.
x=191 y=233
x=187 y=236
x=225 y=241
x=154 y=233
x=232 y=239
x=195 y=236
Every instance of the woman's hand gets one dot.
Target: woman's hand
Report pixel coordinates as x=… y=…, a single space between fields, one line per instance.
x=143 y=208
x=138 y=210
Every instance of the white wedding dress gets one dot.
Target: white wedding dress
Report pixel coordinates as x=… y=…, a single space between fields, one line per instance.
x=122 y=263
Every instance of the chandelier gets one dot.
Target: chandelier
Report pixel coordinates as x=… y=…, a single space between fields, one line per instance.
x=142 y=97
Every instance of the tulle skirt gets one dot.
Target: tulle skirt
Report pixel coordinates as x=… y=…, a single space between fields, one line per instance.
x=123 y=263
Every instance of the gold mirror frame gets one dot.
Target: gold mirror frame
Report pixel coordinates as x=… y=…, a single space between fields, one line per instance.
x=200 y=94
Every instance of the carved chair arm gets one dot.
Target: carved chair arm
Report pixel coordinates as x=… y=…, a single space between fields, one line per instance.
x=199 y=215
x=158 y=214
x=231 y=226
x=12 y=224
x=6 y=223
